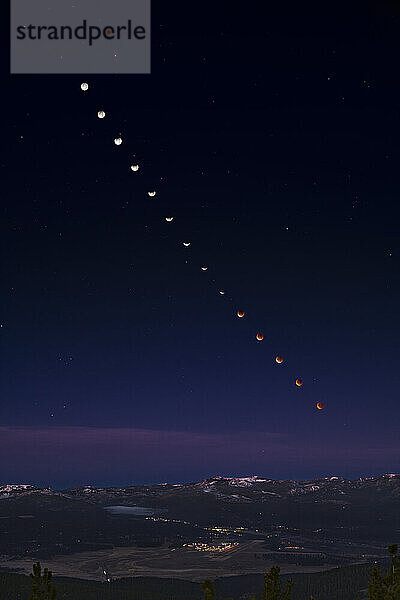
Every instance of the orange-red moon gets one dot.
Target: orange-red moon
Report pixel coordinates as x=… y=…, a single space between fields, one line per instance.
x=240 y=313
x=320 y=405
x=259 y=336
x=299 y=382
x=279 y=359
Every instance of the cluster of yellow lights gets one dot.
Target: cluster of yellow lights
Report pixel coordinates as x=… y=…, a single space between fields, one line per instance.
x=202 y=547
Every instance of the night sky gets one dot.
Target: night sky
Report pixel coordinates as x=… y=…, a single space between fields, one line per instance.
x=272 y=137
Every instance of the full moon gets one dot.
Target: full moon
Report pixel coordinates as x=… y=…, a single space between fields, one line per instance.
x=101 y=114
x=118 y=141
x=84 y=87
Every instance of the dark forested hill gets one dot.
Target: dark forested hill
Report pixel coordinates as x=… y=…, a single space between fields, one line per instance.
x=343 y=582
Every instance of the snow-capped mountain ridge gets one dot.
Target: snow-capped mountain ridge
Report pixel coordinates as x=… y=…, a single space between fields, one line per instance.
x=223 y=487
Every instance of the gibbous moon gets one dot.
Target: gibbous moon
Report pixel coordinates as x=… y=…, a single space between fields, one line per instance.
x=186 y=244
x=169 y=219
x=279 y=360
x=240 y=313
x=84 y=87
x=151 y=193
x=320 y=405
x=299 y=382
x=118 y=141
x=101 y=114
x=259 y=336
x=135 y=167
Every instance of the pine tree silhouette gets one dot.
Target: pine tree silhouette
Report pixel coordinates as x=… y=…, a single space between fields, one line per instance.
x=273 y=586
x=42 y=588
x=386 y=587
x=208 y=589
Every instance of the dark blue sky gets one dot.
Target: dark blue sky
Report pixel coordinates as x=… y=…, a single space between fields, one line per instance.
x=271 y=135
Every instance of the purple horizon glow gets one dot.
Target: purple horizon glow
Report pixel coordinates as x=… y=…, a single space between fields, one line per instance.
x=122 y=456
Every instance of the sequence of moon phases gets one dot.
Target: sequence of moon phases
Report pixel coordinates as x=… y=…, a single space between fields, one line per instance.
x=240 y=313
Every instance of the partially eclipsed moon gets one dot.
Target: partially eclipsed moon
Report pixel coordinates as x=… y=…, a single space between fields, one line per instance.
x=299 y=382
x=320 y=405
x=259 y=336
x=279 y=359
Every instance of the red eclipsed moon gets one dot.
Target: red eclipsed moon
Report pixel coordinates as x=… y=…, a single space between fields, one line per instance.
x=279 y=359
x=299 y=382
x=240 y=313
x=259 y=336
x=320 y=405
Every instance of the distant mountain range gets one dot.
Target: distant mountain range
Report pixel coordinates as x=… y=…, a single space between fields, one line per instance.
x=333 y=490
